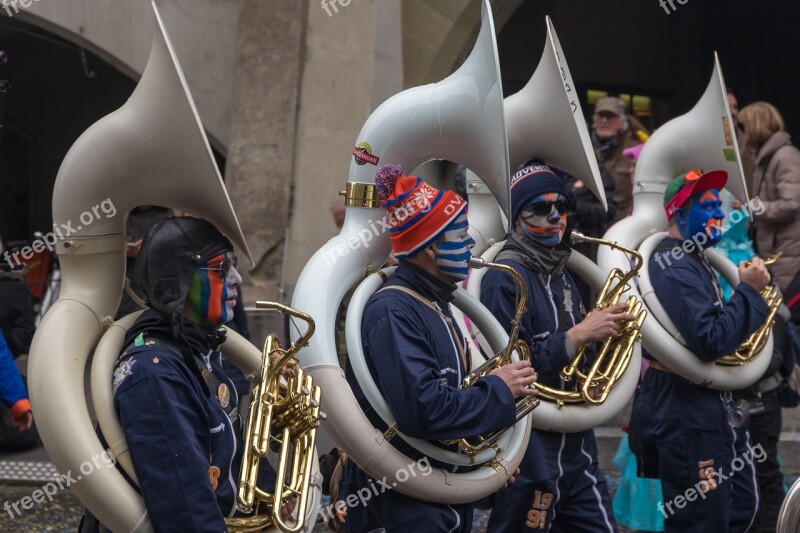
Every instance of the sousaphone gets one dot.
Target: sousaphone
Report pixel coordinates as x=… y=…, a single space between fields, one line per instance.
x=153 y=150
x=545 y=120
x=459 y=119
x=705 y=137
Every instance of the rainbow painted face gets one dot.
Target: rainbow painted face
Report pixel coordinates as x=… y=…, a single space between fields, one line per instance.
x=213 y=291
x=544 y=218
x=704 y=217
x=453 y=250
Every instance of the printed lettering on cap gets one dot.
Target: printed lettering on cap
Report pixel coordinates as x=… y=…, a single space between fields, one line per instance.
x=527 y=171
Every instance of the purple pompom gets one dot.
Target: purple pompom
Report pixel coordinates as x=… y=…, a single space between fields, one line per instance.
x=385 y=179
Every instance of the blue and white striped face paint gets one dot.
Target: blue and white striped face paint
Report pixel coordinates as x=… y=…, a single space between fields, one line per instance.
x=453 y=249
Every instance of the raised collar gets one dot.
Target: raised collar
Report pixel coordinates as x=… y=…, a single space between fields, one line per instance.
x=670 y=243
x=425 y=283
x=543 y=259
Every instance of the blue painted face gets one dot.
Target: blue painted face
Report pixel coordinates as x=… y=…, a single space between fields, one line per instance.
x=453 y=250
x=544 y=218
x=703 y=220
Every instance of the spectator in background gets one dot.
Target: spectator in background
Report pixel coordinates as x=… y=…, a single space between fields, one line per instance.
x=16 y=316
x=613 y=132
x=15 y=398
x=764 y=402
x=735 y=243
x=17 y=325
x=776 y=182
x=140 y=220
x=763 y=397
x=588 y=216
x=748 y=160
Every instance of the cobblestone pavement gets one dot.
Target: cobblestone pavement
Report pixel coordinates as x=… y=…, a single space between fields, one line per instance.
x=64 y=512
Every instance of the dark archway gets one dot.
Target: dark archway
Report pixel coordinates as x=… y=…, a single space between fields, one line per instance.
x=57 y=90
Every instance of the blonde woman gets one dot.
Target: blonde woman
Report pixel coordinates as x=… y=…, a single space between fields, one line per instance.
x=776 y=181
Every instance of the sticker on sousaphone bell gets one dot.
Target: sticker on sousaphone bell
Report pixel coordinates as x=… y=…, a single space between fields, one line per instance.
x=726 y=129
x=363 y=154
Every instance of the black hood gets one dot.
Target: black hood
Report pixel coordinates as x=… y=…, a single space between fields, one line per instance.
x=170 y=254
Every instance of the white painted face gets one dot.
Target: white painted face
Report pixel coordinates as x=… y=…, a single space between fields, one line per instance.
x=233 y=282
x=544 y=218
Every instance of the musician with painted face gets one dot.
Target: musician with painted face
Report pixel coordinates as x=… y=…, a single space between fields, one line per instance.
x=176 y=404
x=560 y=484
x=416 y=355
x=684 y=433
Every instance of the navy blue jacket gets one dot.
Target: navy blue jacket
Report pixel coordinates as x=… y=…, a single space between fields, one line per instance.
x=11 y=388
x=553 y=307
x=687 y=288
x=186 y=449
x=547 y=319
x=412 y=357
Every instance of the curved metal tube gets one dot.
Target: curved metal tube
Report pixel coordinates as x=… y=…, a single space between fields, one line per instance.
x=789 y=515
x=508 y=450
x=153 y=150
x=702 y=138
x=574 y=416
x=460 y=119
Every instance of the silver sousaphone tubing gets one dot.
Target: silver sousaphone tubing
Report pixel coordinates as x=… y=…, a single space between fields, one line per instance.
x=460 y=119
x=153 y=150
x=705 y=138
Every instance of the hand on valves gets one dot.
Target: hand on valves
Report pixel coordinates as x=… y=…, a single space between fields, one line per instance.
x=754 y=273
x=519 y=377
x=599 y=325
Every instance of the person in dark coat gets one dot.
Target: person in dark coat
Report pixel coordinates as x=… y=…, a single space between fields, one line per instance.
x=16 y=316
x=560 y=486
x=765 y=407
x=688 y=435
x=612 y=133
x=17 y=325
x=416 y=355
x=176 y=405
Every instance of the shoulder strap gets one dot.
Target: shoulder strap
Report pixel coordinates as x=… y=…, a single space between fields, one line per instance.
x=142 y=340
x=701 y=260
x=453 y=332
x=195 y=367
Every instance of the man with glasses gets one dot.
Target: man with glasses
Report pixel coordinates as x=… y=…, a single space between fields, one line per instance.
x=560 y=484
x=612 y=132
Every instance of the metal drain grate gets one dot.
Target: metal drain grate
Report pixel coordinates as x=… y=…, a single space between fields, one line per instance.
x=27 y=471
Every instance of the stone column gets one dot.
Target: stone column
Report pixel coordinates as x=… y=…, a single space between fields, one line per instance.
x=262 y=150
x=353 y=62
